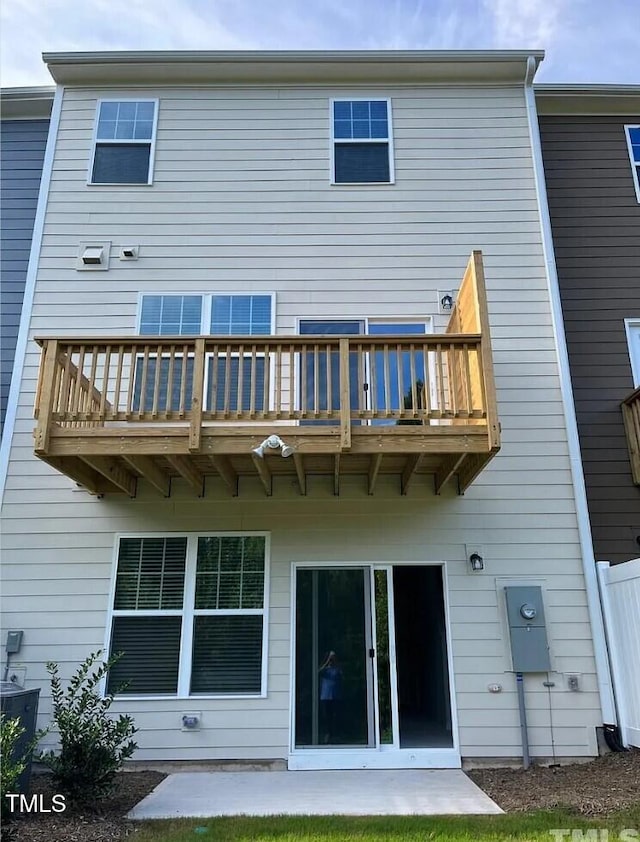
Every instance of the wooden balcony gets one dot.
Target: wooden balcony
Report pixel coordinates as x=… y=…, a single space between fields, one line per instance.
x=631 y=414
x=114 y=412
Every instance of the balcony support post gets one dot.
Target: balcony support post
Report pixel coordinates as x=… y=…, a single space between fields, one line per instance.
x=195 y=430
x=412 y=465
x=47 y=396
x=345 y=396
x=224 y=468
x=183 y=466
x=302 y=479
x=150 y=471
x=448 y=468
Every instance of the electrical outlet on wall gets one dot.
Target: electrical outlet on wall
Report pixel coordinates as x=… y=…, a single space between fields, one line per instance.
x=17 y=675
x=573 y=682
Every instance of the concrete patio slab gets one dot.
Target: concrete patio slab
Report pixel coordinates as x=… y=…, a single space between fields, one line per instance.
x=404 y=792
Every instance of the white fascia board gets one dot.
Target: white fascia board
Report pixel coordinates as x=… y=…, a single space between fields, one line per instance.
x=290 y=67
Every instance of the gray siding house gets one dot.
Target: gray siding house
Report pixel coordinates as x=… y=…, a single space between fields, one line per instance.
x=23 y=133
x=301 y=443
x=591 y=150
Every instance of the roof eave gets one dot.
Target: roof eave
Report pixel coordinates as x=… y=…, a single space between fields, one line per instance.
x=30 y=103
x=289 y=67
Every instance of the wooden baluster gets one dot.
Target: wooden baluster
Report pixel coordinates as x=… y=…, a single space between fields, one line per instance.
x=452 y=380
x=362 y=395
x=399 y=360
x=76 y=385
x=91 y=387
x=303 y=386
x=373 y=381
x=425 y=377
x=266 y=396
x=316 y=379
x=466 y=379
x=345 y=395
x=253 y=384
x=133 y=353
x=168 y=398
x=115 y=407
x=184 y=368
x=442 y=406
x=214 y=403
x=412 y=374
x=387 y=384
x=156 y=382
x=105 y=383
x=227 y=382
x=328 y=363
x=292 y=383
x=278 y=386
x=143 y=383
x=240 y=395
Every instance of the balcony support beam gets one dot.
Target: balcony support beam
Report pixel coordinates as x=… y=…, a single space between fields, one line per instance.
x=264 y=473
x=80 y=473
x=410 y=468
x=448 y=468
x=225 y=470
x=374 y=470
x=114 y=471
x=302 y=478
x=187 y=471
x=46 y=396
x=474 y=463
x=150 y=471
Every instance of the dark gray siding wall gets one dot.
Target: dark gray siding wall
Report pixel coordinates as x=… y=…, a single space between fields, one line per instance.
x=23 y=145
x=595 y=218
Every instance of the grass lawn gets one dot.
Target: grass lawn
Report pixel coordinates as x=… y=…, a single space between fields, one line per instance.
x=525 y=827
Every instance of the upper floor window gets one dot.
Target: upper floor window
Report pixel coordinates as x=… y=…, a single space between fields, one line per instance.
x=362 y=141
x=124 y=142
x=633 y=143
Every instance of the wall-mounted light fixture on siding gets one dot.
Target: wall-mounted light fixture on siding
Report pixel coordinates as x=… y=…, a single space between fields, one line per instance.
x=129 y=253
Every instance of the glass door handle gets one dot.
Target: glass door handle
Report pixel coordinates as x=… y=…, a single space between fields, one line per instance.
x=372 y=653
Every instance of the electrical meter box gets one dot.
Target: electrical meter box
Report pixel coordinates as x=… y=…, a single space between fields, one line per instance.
x=527 y=629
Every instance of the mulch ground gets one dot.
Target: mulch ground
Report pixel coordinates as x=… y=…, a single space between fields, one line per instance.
x=598 y=788
x=105 y=823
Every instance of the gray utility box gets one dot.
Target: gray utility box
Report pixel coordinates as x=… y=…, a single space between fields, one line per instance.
x=525 y=612
x=23 y=705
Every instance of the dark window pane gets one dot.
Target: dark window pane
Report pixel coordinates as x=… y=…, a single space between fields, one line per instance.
x=151 y=647
x=125 y=163
x=342 y=110
x=379 y=110
x=227 y=655
x=634 y=134
x=358 y=163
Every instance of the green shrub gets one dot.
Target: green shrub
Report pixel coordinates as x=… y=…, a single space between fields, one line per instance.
x=10 y=767
x=93 y=745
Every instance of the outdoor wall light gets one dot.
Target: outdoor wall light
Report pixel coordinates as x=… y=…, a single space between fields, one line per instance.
x=190 y=721
x=273 y=443
x=476 y=561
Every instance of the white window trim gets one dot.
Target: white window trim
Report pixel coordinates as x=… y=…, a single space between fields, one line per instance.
x=635 y=165
x=189 y=612
x=630 y=326
x=120 y=141
x=389 y=141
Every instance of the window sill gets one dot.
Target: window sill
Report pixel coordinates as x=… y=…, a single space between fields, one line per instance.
x=204 y=698
x=362 y=183
x=119 y=184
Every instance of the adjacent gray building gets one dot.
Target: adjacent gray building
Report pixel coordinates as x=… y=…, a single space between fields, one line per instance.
x=25 y=125
x=591 y=151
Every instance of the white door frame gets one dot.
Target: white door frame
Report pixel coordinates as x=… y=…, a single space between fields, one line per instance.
x=379 y=756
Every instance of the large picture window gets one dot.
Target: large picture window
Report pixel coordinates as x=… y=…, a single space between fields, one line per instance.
x=189 y=616
x=362 y=140
x=124 y=142
x=192 y=315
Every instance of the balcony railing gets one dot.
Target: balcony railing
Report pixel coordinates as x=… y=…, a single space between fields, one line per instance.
x=631 y=415
x=113 y=409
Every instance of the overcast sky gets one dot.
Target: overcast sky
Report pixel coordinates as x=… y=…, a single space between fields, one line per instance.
x=585 y=40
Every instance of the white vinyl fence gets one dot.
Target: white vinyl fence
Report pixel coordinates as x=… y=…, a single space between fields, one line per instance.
x=620 y=595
